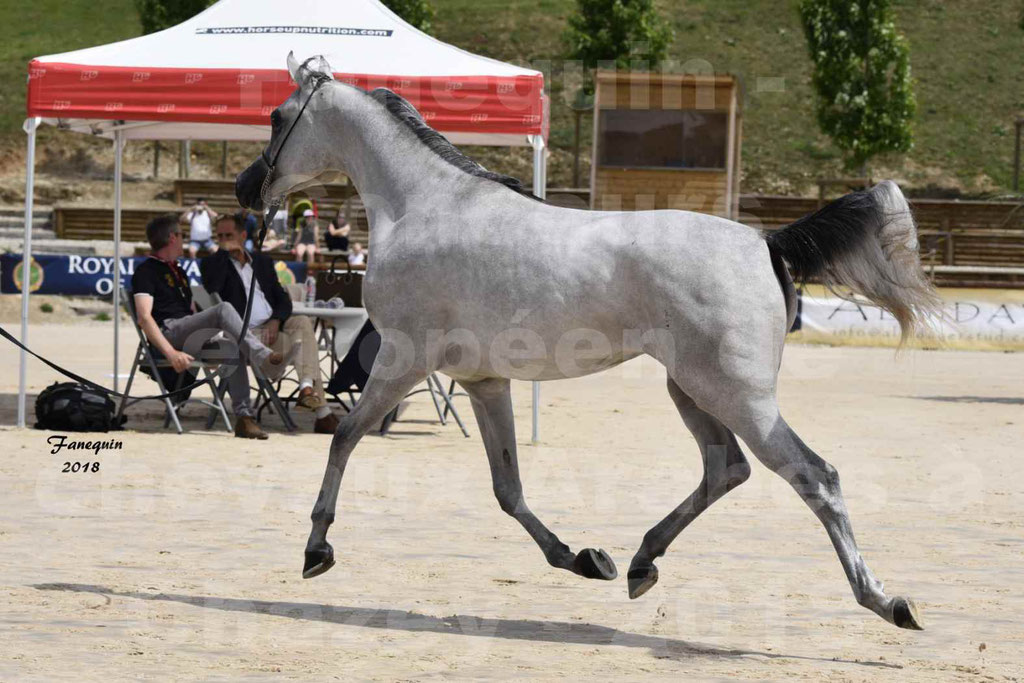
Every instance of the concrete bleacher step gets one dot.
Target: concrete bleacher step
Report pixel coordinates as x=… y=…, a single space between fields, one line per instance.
x=20 y=225
x=18 y=232
x=18 y=221
x=18 y=211
x=50 y=246
x=15 y=218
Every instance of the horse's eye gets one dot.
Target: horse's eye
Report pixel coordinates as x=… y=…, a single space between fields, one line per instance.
x=275 y=119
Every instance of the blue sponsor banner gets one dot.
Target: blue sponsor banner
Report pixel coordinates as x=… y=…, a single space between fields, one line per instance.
x=93 y=275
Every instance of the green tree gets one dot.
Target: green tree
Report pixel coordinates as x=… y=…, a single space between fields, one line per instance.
x=862 y=76
x=156 y=15
x=623 y=31
x=415 y=12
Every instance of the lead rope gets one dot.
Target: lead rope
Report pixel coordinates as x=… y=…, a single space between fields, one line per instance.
x=274 y=204
x=258 y=247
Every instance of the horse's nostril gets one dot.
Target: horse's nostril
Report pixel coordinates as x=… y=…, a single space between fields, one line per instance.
x=249 y=183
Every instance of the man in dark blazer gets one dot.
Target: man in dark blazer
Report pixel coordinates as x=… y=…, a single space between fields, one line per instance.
x=228 y=273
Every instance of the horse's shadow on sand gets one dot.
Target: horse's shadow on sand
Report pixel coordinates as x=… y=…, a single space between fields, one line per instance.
x=1003 y=400
x=458 y=624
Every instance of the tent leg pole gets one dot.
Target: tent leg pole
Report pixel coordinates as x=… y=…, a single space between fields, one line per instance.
x=116 y=271
x=26 y=262
x=535 y=431
x=539 y=190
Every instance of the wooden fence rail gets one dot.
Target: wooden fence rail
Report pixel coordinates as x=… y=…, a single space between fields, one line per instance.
x=952 y=233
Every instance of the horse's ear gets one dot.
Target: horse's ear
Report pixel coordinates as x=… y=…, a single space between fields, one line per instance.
x=324 y=67
x=294 y=67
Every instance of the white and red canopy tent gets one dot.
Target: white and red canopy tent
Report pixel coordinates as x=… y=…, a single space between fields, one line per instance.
x=219 y=75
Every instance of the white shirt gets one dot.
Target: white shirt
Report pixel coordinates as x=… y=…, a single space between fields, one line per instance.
x=280 y=221
x=355 y=259
x=261 y=310
x=200 y=226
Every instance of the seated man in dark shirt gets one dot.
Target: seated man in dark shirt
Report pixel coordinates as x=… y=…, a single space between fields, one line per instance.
x=163 y=306
x=228 y=273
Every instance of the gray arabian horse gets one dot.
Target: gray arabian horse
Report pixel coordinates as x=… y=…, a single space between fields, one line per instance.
x=473 y=277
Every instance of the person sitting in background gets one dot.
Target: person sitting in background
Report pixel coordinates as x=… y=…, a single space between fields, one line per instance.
x=272 y=241
x=200 y=221
x=164 y=309
x=357 y=256
x=337 y=232
x=307 y=235
x=279 y=222
x=337 y=237
x=229 y=273
x=252 y=228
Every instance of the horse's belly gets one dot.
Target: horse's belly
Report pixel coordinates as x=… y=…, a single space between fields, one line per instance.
x=520 y=353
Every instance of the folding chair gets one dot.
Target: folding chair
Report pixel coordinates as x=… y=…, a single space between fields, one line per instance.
x=435 y=389
x=266 y=392
x=353 y=373
x=344 y=333
x=452 y=394
x=149 y=357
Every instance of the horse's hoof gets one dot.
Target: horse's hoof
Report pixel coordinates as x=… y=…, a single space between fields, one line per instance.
x=905 y=614
x=318 y=561
x=641 y=579
x=595 y=564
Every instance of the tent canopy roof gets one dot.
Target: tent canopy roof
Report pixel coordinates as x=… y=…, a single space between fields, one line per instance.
x=226 y=66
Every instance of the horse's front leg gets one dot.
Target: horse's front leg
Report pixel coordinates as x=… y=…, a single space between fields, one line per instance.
x=492 y=404
x=378 y=398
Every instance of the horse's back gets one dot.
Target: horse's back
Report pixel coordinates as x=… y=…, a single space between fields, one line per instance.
x=549 y=273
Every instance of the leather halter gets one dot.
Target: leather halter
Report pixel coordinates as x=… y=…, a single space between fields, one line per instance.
x=271 y=164
x=270 y=208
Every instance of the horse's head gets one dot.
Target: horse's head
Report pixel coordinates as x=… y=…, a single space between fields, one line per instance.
x=293 y=159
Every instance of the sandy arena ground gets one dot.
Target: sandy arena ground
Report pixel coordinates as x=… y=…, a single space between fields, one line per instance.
x=181 y=557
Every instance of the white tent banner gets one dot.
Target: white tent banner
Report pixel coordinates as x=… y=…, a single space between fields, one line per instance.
x=226 y=66
x=991 y=321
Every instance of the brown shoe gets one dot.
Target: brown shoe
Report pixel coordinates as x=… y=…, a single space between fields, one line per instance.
x=327 y=424
x=246 y=428
x=307 y=400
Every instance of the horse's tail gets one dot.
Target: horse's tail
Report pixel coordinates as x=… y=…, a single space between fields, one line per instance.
x=866 y=242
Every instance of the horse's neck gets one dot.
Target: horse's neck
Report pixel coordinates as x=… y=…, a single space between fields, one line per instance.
x=391 y=169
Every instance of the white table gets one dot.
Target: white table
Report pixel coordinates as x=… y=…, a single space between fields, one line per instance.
x=345 y=325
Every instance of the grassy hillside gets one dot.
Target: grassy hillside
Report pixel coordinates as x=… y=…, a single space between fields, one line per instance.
x=967 y=57
x=44 y=27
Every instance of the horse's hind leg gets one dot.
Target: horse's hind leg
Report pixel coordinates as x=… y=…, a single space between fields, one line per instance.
x=378 y=398
x=725 y=468
x=492 y=404
x=776 y=445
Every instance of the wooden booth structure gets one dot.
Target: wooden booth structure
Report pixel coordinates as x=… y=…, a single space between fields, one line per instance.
x=666 y=141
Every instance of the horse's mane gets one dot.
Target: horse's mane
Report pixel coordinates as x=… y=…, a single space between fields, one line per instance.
x=402 y=110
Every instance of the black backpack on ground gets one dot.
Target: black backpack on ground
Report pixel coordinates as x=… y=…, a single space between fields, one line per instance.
x=74 y=407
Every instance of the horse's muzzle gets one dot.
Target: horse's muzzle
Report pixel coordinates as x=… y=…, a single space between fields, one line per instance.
x=249 y=185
